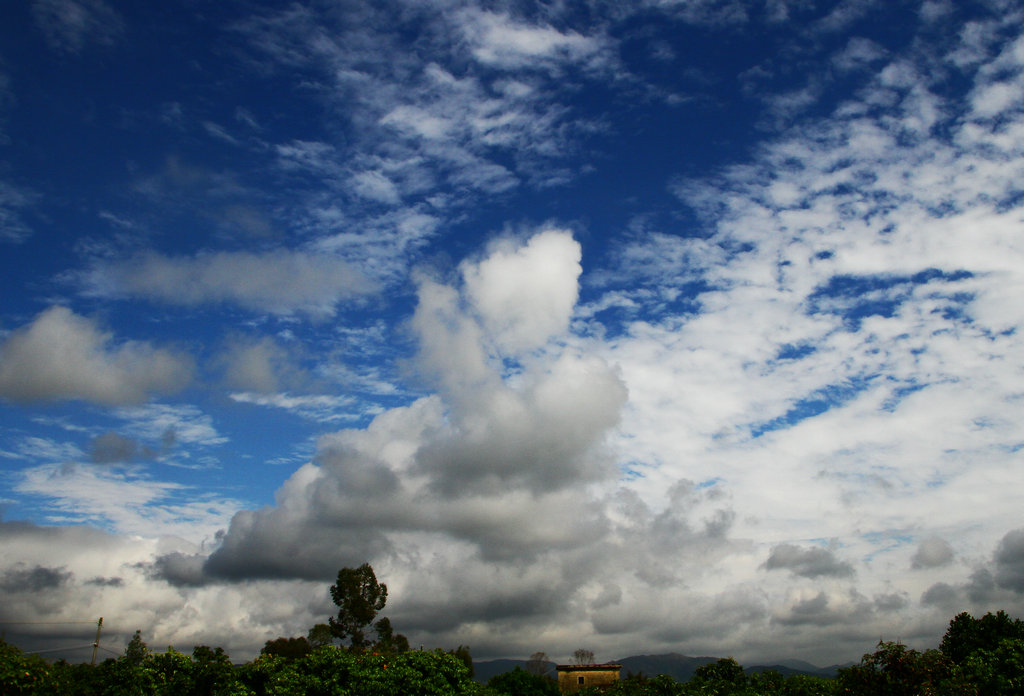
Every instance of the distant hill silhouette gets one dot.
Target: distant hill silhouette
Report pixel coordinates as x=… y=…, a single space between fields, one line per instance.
x=485 y=669
x=679 y=667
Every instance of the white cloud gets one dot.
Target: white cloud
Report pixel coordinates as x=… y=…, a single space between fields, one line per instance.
x=500 y=41
x=424 y=127
x=318 y=407
x=835 y=402
x=124 y=501
x=376 y=186
x=492 y=464
x=110 y=575
x=61 y=356
x=170 y=423
x=526 y=295
x=996 y=98
x=279 y=282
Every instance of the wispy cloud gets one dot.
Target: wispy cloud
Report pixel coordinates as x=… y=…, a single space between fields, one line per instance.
x=14 y=202
x=317 y=407
x=70 y=25
x=279 y=282
x=124 y=501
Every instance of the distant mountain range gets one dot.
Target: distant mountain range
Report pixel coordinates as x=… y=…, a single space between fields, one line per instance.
x=679 y=667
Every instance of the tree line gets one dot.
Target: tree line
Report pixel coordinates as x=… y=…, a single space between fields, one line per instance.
x=356 y=653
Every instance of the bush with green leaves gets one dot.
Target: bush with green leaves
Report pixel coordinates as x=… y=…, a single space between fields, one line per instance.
x=23 y=674
x=519 y=682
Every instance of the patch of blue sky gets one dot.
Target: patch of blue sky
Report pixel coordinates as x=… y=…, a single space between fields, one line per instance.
x=795 y=351
x=854 y=298
x=898 y=394
x=632 y=471
x=814 y=404
x=885 y=542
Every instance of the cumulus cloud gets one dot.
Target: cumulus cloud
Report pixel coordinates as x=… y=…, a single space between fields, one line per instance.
x=279 y=282
x=110 y=575
x=490 y=463
x=62 y=356
x=178 y=569
x=831 y=355
x=932 y=552
x=526 y=294
x=261 y=365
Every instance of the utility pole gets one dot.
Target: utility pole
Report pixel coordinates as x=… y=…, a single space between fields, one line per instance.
x=96 y=645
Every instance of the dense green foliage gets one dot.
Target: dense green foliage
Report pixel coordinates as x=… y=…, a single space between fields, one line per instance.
x=325 y=671
x=519 y=682
x=977 y=657
x=722 y=678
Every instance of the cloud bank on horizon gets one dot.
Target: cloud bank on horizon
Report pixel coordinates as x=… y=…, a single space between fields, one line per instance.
x=679 y=327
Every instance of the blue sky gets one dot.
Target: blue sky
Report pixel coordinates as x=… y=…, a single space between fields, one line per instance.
x=684 y=326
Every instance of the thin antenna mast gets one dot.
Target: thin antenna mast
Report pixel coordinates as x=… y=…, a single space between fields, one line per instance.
x=96 y=645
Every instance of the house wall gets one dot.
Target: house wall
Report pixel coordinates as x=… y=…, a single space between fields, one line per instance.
x=569 y=679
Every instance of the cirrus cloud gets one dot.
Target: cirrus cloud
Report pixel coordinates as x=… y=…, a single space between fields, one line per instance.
x=278 y=282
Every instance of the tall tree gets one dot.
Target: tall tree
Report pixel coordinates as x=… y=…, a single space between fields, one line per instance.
x=538 y=663
x=462 y=652
x=387 y=640
x=137 y=650
x=583 y=657
x=359 y=597
x=288 y=648
x=319 y=635
x=966 y=634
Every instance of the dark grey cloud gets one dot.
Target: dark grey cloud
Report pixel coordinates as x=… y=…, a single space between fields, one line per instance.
x=891 y=602
x=105 y=582
x=111 y=448
x=942 y=595
x=820 y=610
x=808 y=563
x=932 y=552
x=981 y=587
x=808 y=611
x=179 y=569
x=17 y=530
x=25 y=579
x=270 y=543
x=1009 y=561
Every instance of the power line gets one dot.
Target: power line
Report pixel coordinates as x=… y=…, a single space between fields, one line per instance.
x=45 y=623
x=74 y=647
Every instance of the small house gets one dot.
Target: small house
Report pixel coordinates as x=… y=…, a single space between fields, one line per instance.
x=572 y=678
